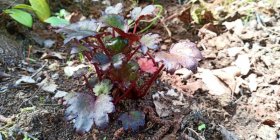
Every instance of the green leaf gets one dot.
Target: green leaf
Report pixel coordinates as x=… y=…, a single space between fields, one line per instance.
x=116 y=21
x=103 y=87
x=41 y=9
x=56 y=22
x=20 y=16
x=116 y=45
x=23 y=6
x=202 y=127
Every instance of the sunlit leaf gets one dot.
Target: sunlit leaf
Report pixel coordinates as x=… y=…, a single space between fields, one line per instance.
x=173 y=62
x=186 y=48
x=23 y=6
x=103 y=87
x=132 y=120
x=79 y=30
x=116 y=45
x=117 y=9
x=57 y=22
x=20 y=16
x=113 y=20
x=147 y=65
x=138 y=11
x=88 y=110
x=149 y=41
x=41 y=9
x=183 y=54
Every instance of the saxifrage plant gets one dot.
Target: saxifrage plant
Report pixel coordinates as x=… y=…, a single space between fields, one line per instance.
x=126 y=63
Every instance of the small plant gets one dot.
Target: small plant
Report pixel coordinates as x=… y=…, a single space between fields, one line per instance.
x=40 y=8
x=126 y=64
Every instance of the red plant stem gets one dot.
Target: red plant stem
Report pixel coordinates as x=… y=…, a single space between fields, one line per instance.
x=99 y=75
x=130 y=56
x=126 y=93
x=135 y=27
x=144 y=88
x=87 y=84
x=103 y=46
x=151 y=58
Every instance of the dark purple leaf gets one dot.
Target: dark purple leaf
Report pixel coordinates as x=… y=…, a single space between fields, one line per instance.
x=102 y=59
x=132 y=120
x=80 y=30
x=88 y=110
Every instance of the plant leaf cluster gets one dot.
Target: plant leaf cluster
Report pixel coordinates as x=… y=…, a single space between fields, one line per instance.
x=126 y=63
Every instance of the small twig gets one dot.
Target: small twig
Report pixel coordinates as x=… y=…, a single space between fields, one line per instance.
x=40 y=69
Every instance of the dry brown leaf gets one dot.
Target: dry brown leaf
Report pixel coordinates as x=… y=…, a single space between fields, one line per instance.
x=243 y=63
x=213 y=84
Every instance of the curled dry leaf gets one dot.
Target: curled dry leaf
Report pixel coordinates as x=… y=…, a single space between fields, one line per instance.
x=88 y=110
x=147 y=65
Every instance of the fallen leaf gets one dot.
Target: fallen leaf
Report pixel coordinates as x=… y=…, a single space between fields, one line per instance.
x=213 y=84
x=252 y=82
x=53 y=55
x=243 y=63
x=60 y=94
x=3 y=75
x=227 y=135
x=162 y=109
x=70 y=70
x=48 y=85
x=25 y=79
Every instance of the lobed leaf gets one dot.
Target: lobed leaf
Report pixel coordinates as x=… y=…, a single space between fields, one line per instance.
x=149 y=41
x=182 y=54
x=103 y=87
x=132 y=120
x=118 y=60
x=114 y=20
x=116 y=45
x=138 y=11
x=147 y=65
x=102 y=59
x=20 y=16
x=80 y=30
x=117 y=9
x=88 y=110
